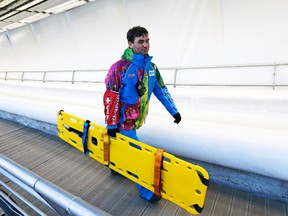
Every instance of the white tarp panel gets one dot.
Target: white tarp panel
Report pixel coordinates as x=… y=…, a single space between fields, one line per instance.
x=183 y=33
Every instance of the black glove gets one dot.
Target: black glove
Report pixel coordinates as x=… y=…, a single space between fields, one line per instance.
x=112 y=132
x=177 y=118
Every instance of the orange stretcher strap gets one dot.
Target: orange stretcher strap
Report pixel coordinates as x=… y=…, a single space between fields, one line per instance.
x=106 y=148
x=157 y=172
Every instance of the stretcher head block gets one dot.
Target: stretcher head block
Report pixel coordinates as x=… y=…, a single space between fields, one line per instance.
x=183 y=183
x=70 y=129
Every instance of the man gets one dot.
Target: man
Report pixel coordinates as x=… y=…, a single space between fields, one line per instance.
x=130 y=83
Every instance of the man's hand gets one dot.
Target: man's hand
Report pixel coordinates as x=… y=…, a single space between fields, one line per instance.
x=112 y=132
x=177 y=118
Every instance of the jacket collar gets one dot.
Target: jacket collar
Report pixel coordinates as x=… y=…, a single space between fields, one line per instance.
x=138 y=59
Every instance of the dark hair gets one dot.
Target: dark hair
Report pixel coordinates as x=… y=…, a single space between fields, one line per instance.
x=136 y=31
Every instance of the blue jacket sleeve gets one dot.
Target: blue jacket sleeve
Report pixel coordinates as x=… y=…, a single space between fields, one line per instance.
x=161 y=92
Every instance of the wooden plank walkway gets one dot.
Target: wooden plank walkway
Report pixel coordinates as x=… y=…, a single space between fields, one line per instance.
x=58 y=162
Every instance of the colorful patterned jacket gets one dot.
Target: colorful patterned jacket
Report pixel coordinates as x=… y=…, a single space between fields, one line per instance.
x=124 y=107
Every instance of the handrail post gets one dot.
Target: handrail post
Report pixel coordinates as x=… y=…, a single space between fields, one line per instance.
x=73 y=74
x=175 y=77
x=22 y=77
x=274 y=75
x=44 y=76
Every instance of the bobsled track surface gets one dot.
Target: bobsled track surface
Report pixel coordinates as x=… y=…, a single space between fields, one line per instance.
x=61 y=164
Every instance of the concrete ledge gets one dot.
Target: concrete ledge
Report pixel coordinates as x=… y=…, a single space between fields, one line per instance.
x=32 y=123
x=257 y=184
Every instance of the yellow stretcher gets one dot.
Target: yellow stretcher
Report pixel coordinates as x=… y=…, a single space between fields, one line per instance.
x=182 y=183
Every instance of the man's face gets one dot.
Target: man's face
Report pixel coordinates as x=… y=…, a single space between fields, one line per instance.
x=141 y=45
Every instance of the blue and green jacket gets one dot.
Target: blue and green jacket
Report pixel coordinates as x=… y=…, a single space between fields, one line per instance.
x=124 y=107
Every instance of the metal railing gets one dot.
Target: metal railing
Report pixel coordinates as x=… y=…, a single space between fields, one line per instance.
x=42 y=76
x=55 y=198
x=176 y=76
